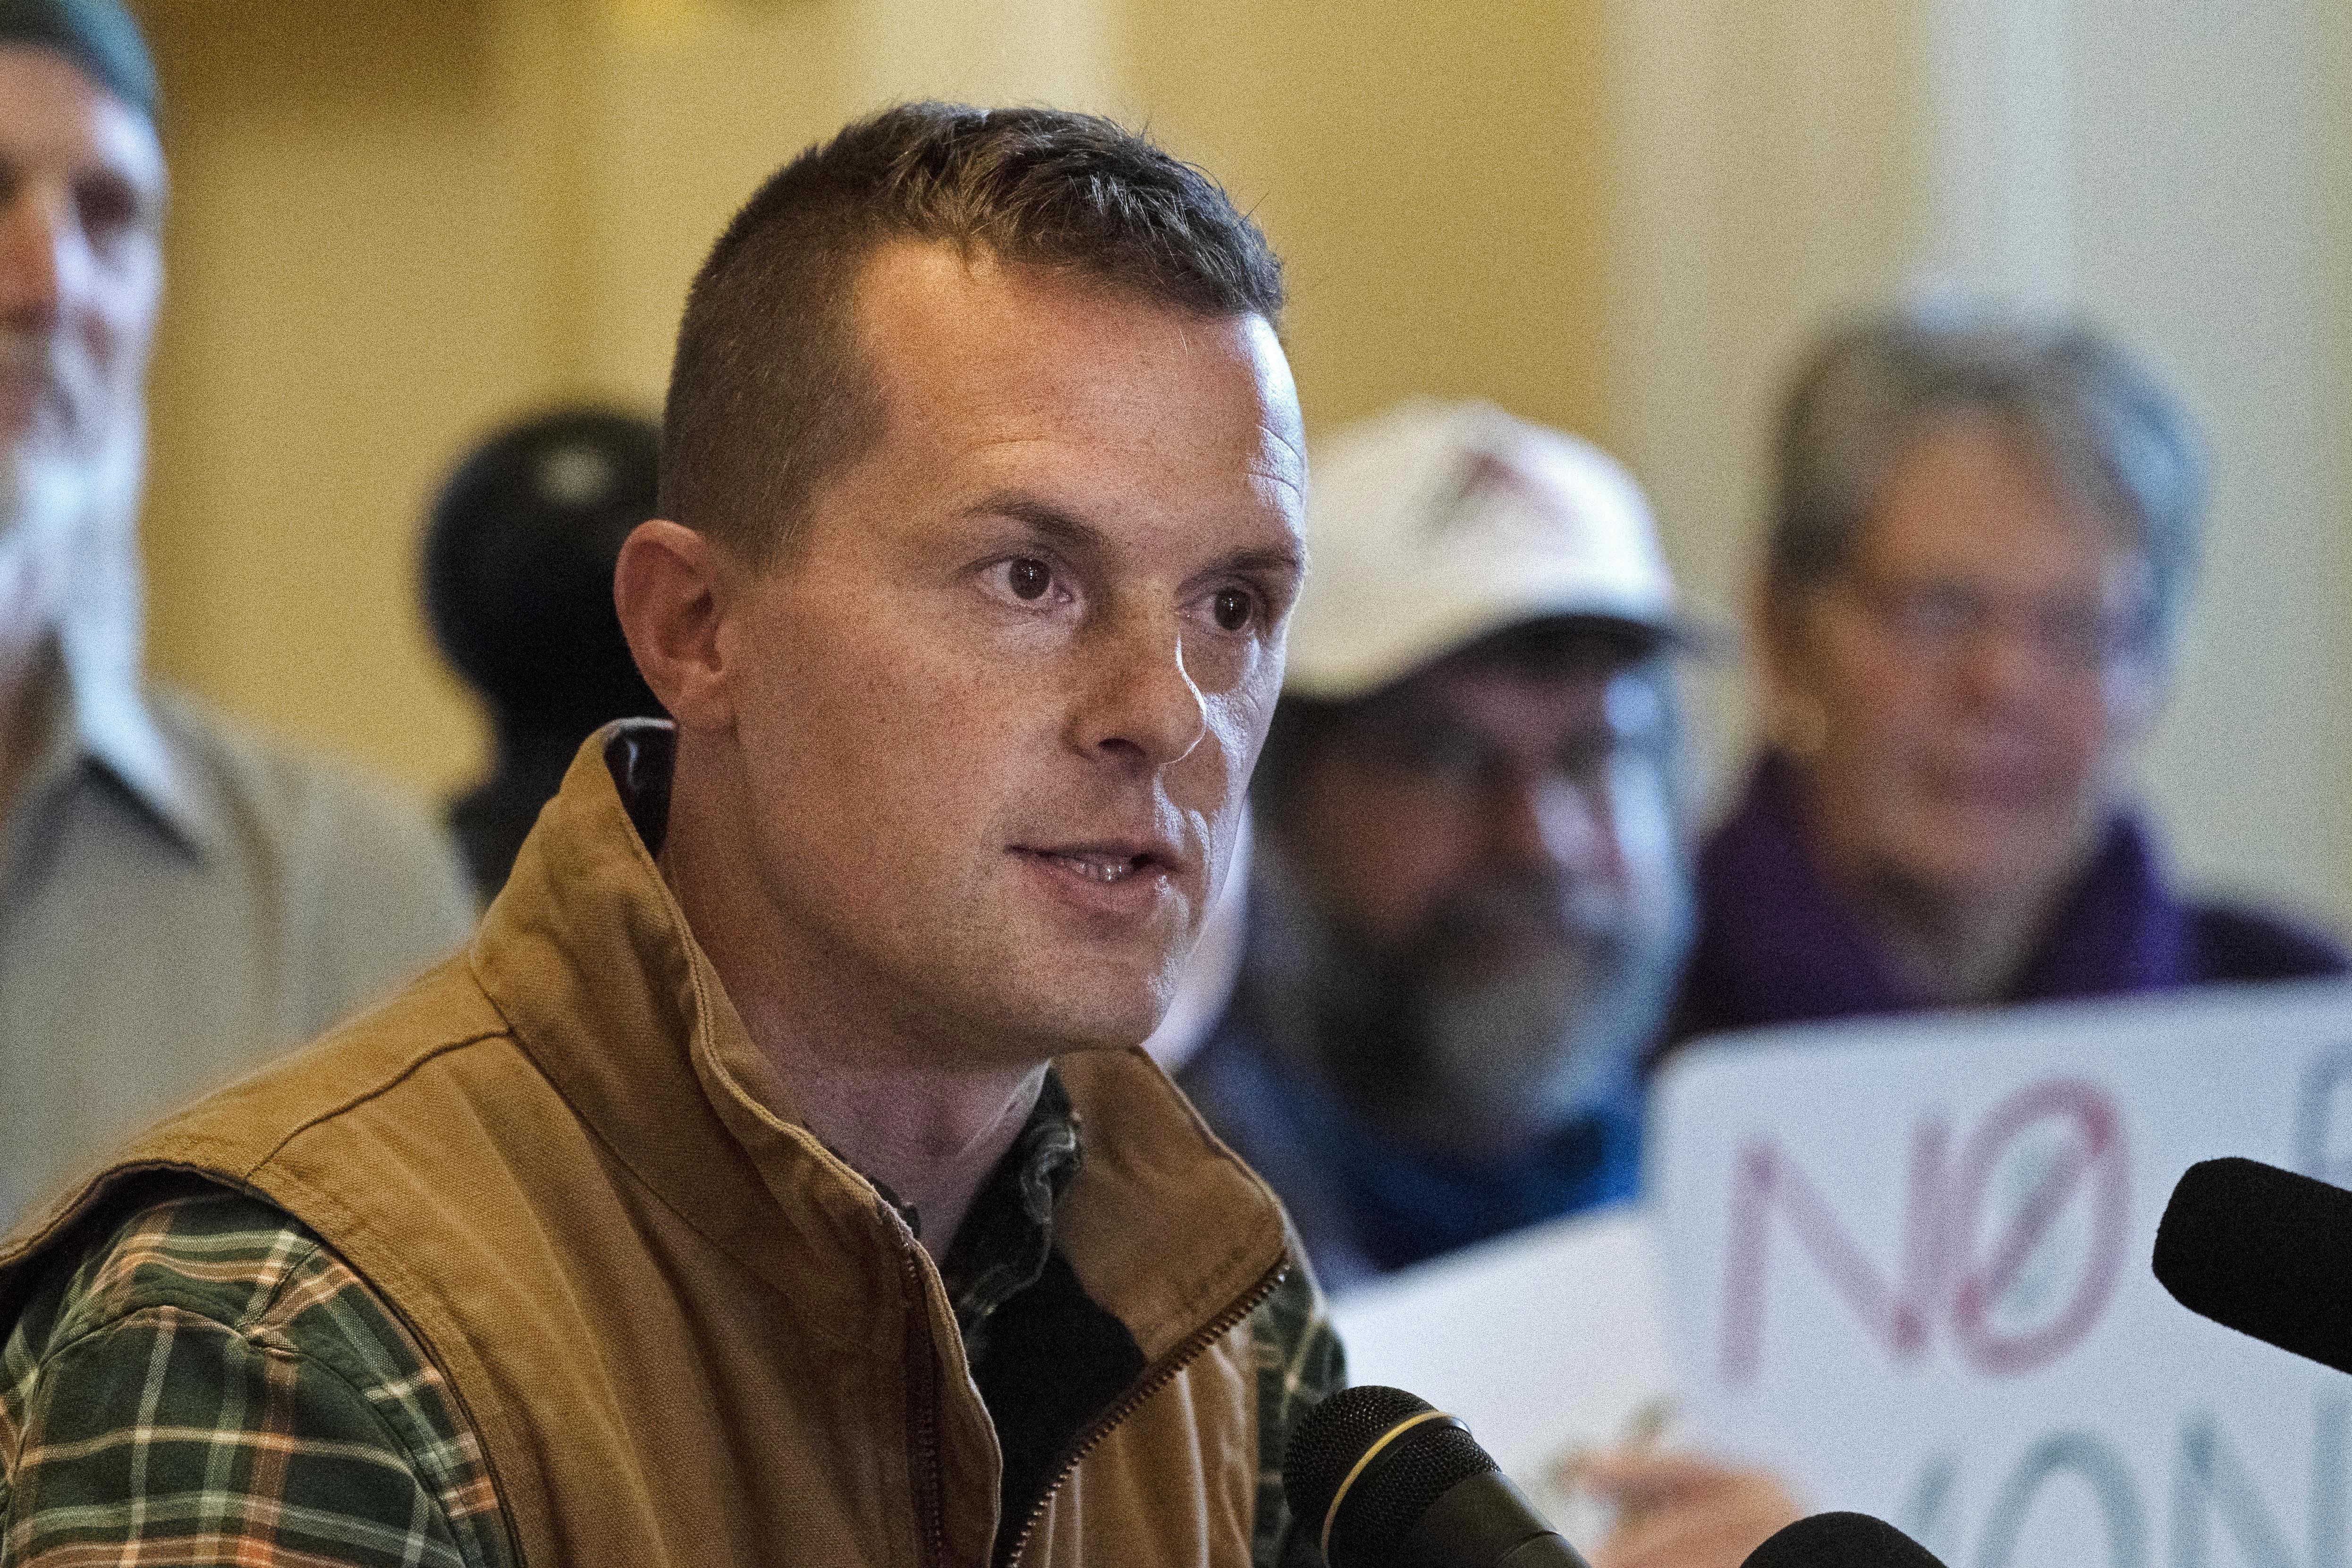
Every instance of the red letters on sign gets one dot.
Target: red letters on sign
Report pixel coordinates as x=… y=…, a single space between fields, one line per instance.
x=1942 y=1275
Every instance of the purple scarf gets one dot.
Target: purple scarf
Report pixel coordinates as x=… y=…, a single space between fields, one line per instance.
x=1777 y=943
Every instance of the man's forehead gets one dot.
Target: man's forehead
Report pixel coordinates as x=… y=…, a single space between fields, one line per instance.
x=962 y=332
x=52 y=109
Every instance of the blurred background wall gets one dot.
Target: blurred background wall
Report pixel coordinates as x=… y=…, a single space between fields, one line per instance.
x=394 y=225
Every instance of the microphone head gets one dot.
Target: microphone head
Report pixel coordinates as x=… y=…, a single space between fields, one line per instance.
x=1841 y=1540
x=2264 y=1251
x=1363 y=1509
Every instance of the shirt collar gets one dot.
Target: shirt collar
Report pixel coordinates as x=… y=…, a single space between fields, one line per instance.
x=107 y=721
x=1008 y=1233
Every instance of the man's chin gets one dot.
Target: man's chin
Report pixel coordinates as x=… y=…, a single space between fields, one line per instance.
x=1523 y=961
x=1533 y=1038
x=1107 y=1021
x=39 y=489
x=1046 y=1018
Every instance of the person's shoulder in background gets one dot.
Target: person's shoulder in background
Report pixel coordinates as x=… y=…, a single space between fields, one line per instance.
x=1263 y=1112
x=2230 y=942
x=371 y=892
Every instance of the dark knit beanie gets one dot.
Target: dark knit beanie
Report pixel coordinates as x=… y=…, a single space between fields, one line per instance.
x=98 y=35
x=519 y=568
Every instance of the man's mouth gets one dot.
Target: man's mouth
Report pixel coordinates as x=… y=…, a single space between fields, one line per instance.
x=1100 y=868
x=1106 y=864
x=39 y=385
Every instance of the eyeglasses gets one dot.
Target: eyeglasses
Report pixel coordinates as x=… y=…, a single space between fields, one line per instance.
x=1439 y=754
x=1939 y=618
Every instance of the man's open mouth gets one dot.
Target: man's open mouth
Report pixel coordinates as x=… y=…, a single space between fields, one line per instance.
x=1104 y=868
x=1106 y=863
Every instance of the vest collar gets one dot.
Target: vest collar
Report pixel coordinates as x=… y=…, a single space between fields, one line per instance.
x=592 y=962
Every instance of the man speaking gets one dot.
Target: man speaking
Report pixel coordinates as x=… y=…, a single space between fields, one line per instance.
x=766 y=1183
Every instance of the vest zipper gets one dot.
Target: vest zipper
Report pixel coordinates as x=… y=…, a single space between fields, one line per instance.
x=1159 y=1378
x=923 y=1412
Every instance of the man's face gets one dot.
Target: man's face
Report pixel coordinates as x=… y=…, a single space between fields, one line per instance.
x=82 y=195
x=1495 y=844
x=1982 y=675
x=999 y=704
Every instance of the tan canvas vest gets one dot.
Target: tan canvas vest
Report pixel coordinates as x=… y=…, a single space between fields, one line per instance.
x=686 y=1333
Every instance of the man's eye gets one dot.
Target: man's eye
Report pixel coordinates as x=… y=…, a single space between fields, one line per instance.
x=108 y=210
x=1028 y=577
x=1233 y=609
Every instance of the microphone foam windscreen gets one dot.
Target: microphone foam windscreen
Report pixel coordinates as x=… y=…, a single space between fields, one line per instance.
x=2264 y=1251
x=1841 y=1540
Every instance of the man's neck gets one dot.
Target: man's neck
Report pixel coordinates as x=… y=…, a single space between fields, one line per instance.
x=28 y=714
x=68 y=577
x=31 y=604
x=1952 y=943
x=1954 y=950
x=897 y=1107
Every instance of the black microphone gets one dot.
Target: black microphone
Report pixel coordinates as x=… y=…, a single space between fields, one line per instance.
x=2264 y=1251
x=1383 y=1480
x=1841 y=1540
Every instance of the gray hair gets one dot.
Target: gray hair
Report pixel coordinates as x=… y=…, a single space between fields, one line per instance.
x=2109 y=435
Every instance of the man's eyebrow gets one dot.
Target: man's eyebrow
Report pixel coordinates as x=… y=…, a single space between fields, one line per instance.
x=1273 y=558
x=1077 y=533
x=1043 y=517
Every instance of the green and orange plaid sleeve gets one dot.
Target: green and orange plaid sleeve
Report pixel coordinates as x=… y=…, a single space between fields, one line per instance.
x=1299 y=1364
x=213 y=1387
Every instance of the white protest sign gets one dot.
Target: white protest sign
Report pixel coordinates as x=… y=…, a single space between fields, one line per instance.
x=1546 y=1341
x=1907 y=1264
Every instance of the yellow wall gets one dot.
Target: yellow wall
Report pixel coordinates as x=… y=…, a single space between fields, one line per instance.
x=396 y=224
x=345 y=264
x=393 y=227
x=1433 y=174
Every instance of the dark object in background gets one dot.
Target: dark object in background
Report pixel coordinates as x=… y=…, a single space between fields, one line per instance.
x=519 y=581
x=2264 y=1251
x=1841 y=1540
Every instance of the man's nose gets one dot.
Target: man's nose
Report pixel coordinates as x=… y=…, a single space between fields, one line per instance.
x=1141 y=706
x=2003 y=664
x=1542 y=820
x=36 y=260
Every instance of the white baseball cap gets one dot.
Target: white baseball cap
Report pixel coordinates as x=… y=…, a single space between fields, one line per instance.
x=1438 y=523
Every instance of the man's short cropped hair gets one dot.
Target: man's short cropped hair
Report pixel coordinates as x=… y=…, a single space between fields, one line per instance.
x=2108 y=435
x=767 y=395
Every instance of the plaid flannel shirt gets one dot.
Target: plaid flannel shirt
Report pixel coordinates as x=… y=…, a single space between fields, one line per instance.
x=214 y=1386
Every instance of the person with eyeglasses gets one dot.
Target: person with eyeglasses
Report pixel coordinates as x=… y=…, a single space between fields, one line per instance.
x=1981 y=535
x=1469 y=890
x=1468 y=895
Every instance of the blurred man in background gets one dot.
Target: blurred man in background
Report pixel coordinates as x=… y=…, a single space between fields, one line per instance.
x=176 y=902
x=519 y=581
x=1470 y=893
x=1469 y=896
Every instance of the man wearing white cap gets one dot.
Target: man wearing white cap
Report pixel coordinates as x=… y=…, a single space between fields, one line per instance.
x=1470 y=896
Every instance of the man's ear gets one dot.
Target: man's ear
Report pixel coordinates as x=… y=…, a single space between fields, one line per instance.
x=1794 y=720
x=670 y=588
x=1776 y=636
